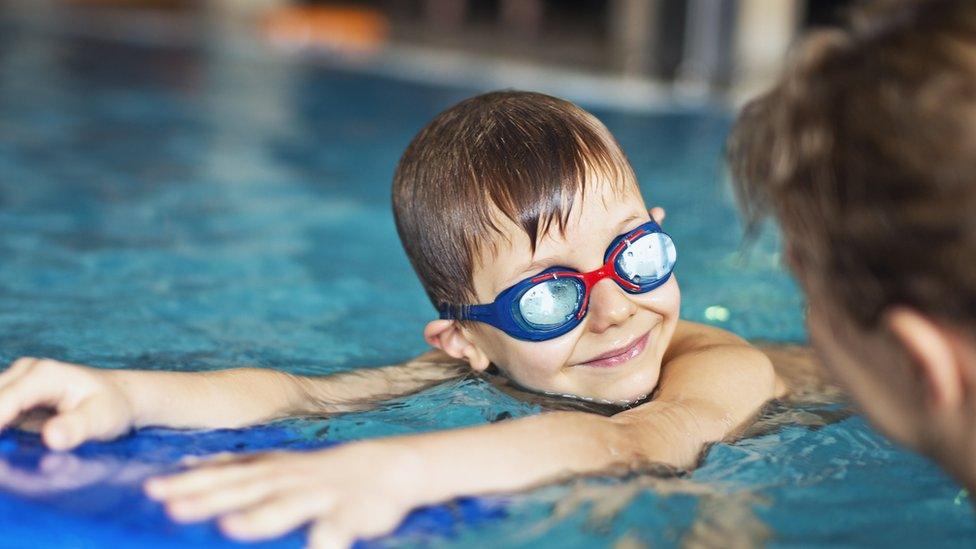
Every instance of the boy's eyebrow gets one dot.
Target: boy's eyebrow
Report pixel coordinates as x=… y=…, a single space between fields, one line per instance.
x=539 y=264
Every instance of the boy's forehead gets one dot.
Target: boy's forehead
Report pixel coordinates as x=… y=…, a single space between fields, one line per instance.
x=589 y=212
x=594 y=218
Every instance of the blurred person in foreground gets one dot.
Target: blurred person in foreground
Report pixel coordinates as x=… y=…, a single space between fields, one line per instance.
x=865 y=152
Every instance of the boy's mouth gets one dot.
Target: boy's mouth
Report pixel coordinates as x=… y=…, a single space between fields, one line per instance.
x=618 y=356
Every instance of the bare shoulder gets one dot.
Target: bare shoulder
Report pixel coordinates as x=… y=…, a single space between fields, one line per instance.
x=800 y=374
x=697 y=341
x=692 y=336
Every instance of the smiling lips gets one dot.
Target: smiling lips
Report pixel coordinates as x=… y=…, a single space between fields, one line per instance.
x=619 y=356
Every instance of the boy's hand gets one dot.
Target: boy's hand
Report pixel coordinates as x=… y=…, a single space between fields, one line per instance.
x=87 y=404
x=359 y=490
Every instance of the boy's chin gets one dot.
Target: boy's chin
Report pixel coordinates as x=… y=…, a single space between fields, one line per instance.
x=629 y=390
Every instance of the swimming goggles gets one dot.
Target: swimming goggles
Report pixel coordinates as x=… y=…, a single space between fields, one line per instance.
x=555 y=301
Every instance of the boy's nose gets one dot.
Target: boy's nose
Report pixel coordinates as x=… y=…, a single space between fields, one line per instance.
x=609 y=306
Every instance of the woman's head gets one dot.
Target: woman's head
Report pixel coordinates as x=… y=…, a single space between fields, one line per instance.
x=866 y=152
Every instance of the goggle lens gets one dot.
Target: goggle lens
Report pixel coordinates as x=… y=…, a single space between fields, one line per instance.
x=552 y=303
x=648 y=259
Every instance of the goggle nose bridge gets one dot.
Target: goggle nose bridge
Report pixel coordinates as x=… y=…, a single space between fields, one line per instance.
x=608 y=270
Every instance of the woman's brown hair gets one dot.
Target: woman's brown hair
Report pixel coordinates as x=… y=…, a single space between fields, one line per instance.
x=866 y=153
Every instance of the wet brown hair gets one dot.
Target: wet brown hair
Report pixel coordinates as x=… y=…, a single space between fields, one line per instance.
x=866 y=152
x=522 y=155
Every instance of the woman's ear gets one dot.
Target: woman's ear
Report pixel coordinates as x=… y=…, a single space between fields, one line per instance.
x=448 y=336
x=938 y=360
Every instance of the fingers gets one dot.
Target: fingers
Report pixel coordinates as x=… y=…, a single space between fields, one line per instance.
x=263 y=502
x=368 y=521
x=334 y=528
x=65 y=431
x=30 y=383
x=323 y=535
x=91 y=419
x=658 y=214
x=26 y=392
x=17 y=369
x=265 y=495
x=86 y=406
x=203 y=505
x=202 y=479
x=212 y=459
x=346 y=524
x=277 y=516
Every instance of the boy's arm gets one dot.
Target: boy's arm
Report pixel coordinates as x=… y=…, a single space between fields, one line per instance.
x=364 y=388
x=92 y=403
x=707 y=393
x=246 y=396
x=364 y=489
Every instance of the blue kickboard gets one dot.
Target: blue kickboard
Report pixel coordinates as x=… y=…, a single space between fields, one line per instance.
x=92 y=496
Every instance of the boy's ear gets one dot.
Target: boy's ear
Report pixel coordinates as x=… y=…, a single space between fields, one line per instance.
x=935 y=353
x=658 y=214
x=448 y=336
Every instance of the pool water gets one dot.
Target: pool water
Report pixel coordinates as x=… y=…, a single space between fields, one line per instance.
x=195 y=208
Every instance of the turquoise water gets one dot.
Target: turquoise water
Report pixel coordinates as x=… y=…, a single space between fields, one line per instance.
x=191 y=208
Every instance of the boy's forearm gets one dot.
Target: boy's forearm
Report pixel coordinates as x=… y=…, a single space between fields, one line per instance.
x=222 y=399
x=246 y=396
x=524 y=453
x=519 y=454
x=703 y=399
x=364 y=388
x=716 y=391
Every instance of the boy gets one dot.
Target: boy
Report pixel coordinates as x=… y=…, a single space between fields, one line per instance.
x=524 y=221
x=866 y=152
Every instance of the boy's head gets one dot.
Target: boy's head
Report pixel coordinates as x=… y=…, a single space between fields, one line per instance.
x=866 y=152
x=504 y=185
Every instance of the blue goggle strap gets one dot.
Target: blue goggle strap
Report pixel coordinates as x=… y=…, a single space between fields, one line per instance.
x=489 y=314
x=481 y=313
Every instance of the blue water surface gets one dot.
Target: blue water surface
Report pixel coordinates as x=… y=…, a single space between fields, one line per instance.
x=193 y=207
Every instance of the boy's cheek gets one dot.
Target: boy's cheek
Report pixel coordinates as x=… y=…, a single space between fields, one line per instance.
x=536 y=365
x=665 y=301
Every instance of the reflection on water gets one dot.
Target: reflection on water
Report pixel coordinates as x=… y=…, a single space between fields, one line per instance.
x=778 y=415
x=63 y=472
